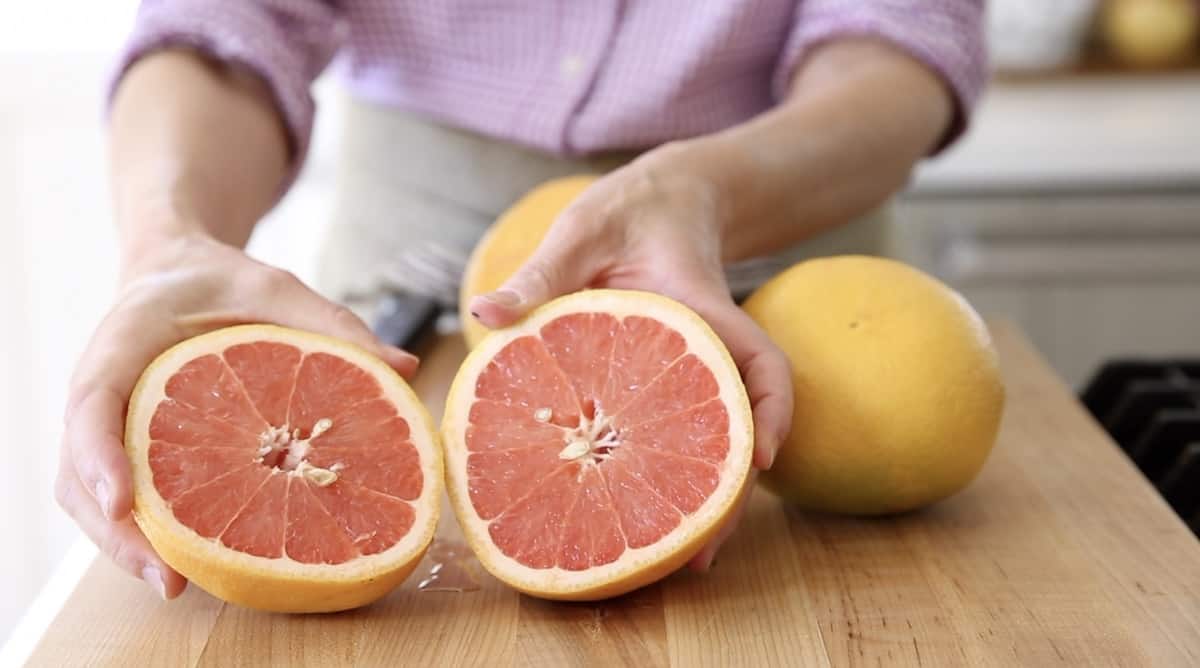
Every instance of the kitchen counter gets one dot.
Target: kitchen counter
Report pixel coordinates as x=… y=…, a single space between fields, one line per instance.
x=1059 y=553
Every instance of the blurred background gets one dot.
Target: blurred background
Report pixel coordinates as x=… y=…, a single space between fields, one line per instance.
x=1072 y=208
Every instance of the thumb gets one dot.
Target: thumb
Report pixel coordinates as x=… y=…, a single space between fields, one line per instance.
x=559 y=266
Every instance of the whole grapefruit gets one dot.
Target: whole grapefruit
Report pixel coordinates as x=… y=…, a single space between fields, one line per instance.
x=898 y=395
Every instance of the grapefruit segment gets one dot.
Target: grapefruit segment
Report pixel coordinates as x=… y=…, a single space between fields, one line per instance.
x=591 y=534
x=179 y=468
x=582 y=347
x=683 y=482
x=209 y=387
x=313 y=535
x=267 y=372
x=282 y=470
x=645 y=516
x=525 y=376
x=643 y=350
x=329 y=388
x=529 y=529
x=209 y=508
x=701 y=432
x=389 y=468
x=497 y=426
x=685 y=384
x=498 y=479
x=174 y=419
x=258 y=527
x=597 y=445
x=362 y=424
x=372 y=521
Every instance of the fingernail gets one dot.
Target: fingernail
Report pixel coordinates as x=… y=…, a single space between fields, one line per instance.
x=103 y=498
x=402 y=354
x=773 y=451
x=154 y=578
x=506 y=298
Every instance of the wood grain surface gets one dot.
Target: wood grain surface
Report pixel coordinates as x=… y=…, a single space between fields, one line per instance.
x=1060 y=553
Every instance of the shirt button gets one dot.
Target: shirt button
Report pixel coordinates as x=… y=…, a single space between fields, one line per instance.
x=570 y=66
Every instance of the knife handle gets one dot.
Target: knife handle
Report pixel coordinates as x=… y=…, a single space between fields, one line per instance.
x=402 y=318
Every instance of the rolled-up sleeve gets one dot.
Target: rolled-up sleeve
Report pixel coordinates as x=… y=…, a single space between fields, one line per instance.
x=946 y=35
x=286 y=42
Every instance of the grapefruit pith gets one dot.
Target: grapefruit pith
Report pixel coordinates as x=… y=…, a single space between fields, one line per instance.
x=282 y=470
x=597 y=445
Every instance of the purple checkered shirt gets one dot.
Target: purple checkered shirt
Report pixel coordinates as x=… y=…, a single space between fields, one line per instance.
x=568 y=77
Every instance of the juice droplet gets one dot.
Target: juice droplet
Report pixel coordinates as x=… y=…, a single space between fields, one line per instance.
x=452 y=567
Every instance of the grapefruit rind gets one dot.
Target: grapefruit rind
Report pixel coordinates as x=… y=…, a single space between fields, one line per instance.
x=280 y=584
x=635 y=567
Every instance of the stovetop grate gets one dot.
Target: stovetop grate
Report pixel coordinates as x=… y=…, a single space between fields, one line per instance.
x=1152 y=410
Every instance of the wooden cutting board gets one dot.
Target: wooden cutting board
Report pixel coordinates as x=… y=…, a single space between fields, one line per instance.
x=1060 y=553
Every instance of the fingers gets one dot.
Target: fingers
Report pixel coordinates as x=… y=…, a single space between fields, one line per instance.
x=93 y=484
x=704 y=559
x=93 y=443
x=296 y=305
x=765 y=371
x=121 y=540
x=93 y=436
x=567 y=260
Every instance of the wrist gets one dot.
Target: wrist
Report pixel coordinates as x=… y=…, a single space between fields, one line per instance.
x=722 y=170
x=709 y=165
x=152 y=242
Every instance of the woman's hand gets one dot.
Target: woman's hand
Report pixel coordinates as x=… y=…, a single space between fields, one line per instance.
x=656 y=225
x=186 y=287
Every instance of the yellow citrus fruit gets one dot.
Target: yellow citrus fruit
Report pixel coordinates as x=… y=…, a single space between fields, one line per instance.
x=510 y=241
x=282 y=470
x=898 y=395
x=1151 y=33
x=597 y=445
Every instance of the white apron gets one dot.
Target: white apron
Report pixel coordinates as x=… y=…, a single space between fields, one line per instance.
x=413 y=197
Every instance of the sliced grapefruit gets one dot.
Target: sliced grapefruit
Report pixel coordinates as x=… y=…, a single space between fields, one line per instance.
x=282 y=470
x=597 y=445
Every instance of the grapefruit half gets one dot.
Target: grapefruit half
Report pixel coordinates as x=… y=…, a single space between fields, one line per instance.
x=282 y=470
x=597 y=445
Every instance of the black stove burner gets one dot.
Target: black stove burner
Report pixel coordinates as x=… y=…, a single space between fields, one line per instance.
x=1152 y=410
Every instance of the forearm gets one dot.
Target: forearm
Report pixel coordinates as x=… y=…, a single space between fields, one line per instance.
x=195 y=148
x=859 y=116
